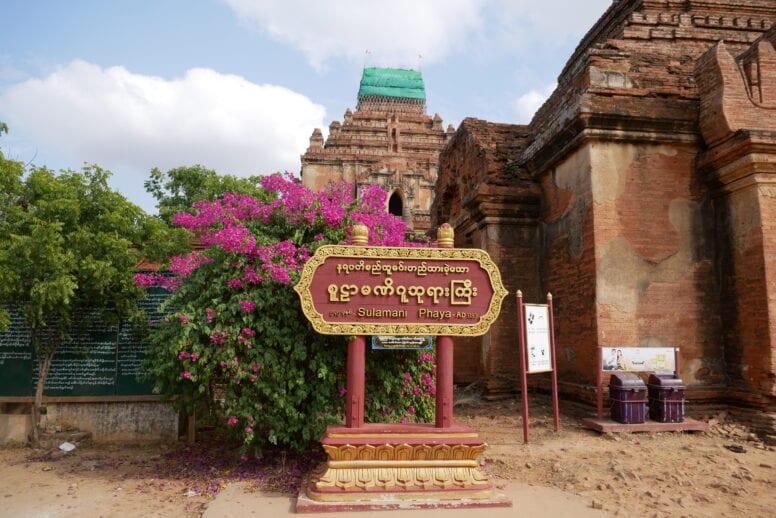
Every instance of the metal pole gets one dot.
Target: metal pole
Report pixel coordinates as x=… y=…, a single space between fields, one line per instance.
x=445 y=351
x=599 y=380
x=555 y=405
x=523 y=363
x=677 y=363
x=354 y=402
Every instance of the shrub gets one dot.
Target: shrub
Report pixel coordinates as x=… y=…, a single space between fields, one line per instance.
x=235 y=344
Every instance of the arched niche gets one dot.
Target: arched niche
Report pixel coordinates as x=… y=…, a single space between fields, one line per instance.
x=396 y=204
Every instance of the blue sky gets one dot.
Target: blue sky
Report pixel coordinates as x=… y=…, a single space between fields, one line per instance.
x=239 y=85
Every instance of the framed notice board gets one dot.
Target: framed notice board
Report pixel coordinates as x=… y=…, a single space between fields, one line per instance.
x=101 y=359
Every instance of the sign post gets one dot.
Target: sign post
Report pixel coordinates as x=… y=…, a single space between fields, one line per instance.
x=356 y=366
x=537 y=352
x=396 y=292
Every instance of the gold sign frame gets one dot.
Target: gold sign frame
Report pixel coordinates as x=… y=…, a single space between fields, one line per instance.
x=303 y=288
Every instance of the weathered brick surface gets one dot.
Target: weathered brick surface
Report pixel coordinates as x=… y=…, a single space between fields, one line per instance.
x=385 y=145
x=569 y=265
x=656 y=161
x=655 y=281
x=492 y=205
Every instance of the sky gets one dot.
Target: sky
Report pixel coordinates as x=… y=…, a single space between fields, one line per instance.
x=239 y=85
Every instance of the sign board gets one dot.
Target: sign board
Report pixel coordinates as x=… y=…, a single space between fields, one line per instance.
x=537 y=328
x=16 y=358
x=363 y=290
x=403 y=342
x=639 y=359
x=99 y=360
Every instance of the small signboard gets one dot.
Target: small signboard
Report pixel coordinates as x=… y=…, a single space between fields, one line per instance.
x=639 y=359
x=403 y=342
x=536 y=339
x=537 y=329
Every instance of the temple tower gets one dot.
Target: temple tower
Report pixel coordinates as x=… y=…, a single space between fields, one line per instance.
x=389 y=141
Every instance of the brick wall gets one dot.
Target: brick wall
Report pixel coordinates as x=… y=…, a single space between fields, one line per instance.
x=655 y=282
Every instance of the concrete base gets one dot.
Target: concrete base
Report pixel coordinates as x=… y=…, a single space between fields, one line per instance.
x=15 y=428
x=117 y=421
x=606 y=425
x=388 y=502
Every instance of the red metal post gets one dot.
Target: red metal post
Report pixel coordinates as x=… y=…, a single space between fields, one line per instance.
x=354 y=411
x=445 y=351
x=354 y=399
x=555 y=405
x=677 y=363
x=523 y=363
x=599 y=380
x=444 y=382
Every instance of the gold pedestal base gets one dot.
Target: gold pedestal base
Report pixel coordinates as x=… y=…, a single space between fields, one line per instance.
x=378 y=464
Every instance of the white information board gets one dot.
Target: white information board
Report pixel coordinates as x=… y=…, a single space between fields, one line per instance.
x=537 y=327
x=639 y=359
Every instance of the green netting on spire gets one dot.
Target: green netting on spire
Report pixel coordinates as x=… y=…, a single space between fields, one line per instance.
x=392 y=82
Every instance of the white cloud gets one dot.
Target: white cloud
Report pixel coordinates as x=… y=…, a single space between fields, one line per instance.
x=527 y=23
x=119 y=119
x=526 y=105
x=396 y=31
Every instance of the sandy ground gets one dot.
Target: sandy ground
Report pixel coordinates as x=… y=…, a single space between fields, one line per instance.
x=575 y=472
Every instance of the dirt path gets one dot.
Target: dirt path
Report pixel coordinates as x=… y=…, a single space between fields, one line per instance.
x=648 y=474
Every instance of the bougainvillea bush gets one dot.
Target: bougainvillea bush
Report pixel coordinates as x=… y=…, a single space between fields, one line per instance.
x=235 y=344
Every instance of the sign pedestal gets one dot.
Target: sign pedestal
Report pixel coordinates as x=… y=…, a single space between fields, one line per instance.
x=387 y=466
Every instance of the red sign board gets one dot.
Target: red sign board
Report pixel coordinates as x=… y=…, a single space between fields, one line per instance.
x=356 y=290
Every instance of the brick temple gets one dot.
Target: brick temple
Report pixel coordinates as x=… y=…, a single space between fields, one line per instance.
x=389 y=141
x=642 y=195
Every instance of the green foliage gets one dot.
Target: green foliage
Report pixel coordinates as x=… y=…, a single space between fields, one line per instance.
x=236 y=346
x=68 y=246
x=177 y=189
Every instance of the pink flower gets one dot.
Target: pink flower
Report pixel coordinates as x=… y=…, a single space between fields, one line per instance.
x=342 y=391
x=186 y=374
x=219 y=336
x=248 y=429
x=248 y=332
x=232 y=421
x=210 y=313
x=247 y=305
x=194 y=357
x=255 y=367
x=411 y=409
x=183 y=318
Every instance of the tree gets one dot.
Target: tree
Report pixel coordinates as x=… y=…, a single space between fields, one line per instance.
x=236 y=344
x=68 y=248
x=178 y=189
